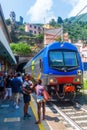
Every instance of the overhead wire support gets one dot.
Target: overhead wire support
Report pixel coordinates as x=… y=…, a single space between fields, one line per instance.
x=62 y=36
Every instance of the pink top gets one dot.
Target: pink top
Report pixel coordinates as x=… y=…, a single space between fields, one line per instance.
x=39 y=90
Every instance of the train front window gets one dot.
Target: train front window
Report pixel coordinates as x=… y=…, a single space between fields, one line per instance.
x=70 y=59
x=56 y=58
x=62 y=59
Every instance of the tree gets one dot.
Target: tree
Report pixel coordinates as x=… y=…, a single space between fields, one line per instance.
x=39 y=38
x=8 y=22
x=21 y=28
x=13 y=36
x=59 y=20
x=52 y=22
x=20 y=48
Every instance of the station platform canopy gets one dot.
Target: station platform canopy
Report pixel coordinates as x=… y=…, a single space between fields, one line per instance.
x=5 y=40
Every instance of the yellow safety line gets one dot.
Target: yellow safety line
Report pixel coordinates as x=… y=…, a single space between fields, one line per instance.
x=41 y=127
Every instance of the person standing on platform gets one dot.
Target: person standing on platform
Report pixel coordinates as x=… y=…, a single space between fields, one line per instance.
x=40 y=100
x=26 y=87
x=8 y=87
x=16 y=84
x=20 y=78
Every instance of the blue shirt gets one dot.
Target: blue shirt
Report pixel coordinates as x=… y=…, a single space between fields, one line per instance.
x=16 y=84
x=1 y=81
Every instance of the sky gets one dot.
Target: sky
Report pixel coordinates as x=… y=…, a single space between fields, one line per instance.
x=42 y=11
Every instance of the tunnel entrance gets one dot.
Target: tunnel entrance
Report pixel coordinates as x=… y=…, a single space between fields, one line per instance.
x=20 y=67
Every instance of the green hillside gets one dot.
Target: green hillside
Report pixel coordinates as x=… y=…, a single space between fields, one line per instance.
x=80 y=18
x=75 y=26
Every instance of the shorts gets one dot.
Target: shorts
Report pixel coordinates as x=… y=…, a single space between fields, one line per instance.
x=26 y=98
x=16 y=96
x=40 y=99
x=8 y=92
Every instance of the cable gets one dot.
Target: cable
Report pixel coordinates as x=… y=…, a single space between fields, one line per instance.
x=81 y=17
x=55 y=35
x=71 y=20
x=81 y=10
x=78 y=13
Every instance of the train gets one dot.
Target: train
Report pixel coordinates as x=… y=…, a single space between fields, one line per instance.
x=59 y=66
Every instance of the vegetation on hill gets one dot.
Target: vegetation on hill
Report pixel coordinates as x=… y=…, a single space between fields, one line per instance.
x=23 y=43
x=20 y=48
x=76 y=31
x=75 y=26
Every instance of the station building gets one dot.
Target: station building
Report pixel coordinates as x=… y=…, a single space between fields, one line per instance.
x=7 y=58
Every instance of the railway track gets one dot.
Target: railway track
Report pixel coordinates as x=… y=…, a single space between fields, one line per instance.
x=73 y=116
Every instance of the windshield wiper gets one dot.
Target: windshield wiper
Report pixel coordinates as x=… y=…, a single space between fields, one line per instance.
x=64 y=69
x=73 y=68
x=61 y=69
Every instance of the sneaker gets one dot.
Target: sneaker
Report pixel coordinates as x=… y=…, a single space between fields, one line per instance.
x=28 y=115
x=17 y=107
x=25 y=117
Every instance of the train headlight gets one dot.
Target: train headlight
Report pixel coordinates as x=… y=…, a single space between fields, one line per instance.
x=76 y=80
x=79 y=72
x=52 y=80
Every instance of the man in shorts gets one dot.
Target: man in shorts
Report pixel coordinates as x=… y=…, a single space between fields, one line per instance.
x=26 y=95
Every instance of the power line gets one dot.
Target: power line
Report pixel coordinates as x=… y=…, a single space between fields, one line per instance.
x=79 y=13
x=59 y=31
x=71 y=20
x=81 y=17
x=81 y=10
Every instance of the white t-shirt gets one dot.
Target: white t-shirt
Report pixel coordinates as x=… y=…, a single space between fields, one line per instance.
x=26 y=85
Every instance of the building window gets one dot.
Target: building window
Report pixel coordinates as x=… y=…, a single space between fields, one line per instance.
x=30 y=26
x=38 y=28
x=31 y=31
x=34 y=32
x=34 y=27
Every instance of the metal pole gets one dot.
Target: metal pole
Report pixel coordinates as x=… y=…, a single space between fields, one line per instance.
x=62 y=38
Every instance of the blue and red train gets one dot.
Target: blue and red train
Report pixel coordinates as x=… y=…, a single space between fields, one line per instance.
x=60 y=67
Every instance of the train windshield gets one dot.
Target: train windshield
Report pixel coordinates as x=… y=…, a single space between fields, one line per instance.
x=60 y=59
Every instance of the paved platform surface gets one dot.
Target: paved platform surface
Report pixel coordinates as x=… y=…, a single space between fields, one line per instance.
x=12 y=119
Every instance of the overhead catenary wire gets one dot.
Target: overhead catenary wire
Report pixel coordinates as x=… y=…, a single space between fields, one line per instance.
x=61 y=30
x=81 y=10
x=73 y=20
x=78 y=14
x=81 y=17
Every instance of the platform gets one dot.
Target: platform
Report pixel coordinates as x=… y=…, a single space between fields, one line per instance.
x=12 y=119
